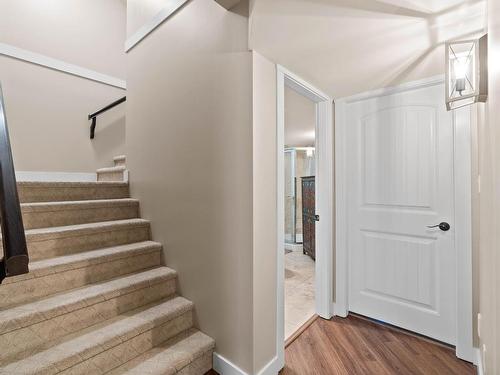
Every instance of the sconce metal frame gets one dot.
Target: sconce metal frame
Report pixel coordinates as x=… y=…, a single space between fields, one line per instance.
x=478 y=79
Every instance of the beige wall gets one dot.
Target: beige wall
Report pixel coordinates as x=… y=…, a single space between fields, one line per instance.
x=190 y=155
x=47 y=110
x=264 y=211
x=489 y=203
x=140 y=12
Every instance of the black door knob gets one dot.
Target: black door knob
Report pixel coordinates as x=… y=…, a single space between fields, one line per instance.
x=444 y=226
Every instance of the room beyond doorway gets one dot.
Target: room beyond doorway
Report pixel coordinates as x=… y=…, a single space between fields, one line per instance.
x=300 y=210
x=317 y=220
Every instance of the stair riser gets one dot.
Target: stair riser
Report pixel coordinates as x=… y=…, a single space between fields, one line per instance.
x=117 y=355
x=26 y=341
x=52 y=247
x=29 y=194
x=199 y=366
x=111 y=176
x=27 y=290
x=56 y=218
x=120 y=163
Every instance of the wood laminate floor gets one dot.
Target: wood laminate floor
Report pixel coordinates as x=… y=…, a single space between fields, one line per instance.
x=355 y=346
x=358 y=346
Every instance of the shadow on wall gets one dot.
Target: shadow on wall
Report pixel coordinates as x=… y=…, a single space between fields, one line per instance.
x=442 y=26
x=109 y=135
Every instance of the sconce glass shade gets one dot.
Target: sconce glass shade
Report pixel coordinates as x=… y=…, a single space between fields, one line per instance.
x=466 y=72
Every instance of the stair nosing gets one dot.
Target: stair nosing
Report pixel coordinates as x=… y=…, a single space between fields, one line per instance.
x=168 y=345
x=32 y=207
x=132 y=325
x=70 y=184
x=51 y=266
x=75 y=297
x=119 y=168
x=40 y=234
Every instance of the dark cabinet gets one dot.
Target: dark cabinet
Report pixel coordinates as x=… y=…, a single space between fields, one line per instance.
x=308 y=216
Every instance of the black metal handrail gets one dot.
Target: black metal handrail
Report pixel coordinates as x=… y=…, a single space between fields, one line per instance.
x=93 y=116
x=15 y=251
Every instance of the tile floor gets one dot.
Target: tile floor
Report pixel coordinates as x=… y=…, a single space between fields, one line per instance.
x=299 y=290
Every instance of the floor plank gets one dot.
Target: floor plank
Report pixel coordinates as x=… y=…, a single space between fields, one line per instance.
x=357 y=346
x=354 y=345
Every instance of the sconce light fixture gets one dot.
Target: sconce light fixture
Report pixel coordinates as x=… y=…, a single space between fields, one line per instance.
x=466 y=72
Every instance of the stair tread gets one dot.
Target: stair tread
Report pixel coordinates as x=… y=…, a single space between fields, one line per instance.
x=49 y=266
x=119 y=168
x=69 y=229
x=169 y=357
x=66 y=184
x=27 y=314
x=94 y=340
x=119 y=158
x=81 y=204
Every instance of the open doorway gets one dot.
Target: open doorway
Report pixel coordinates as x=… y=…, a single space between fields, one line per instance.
x=300 y=210
x=305 y=227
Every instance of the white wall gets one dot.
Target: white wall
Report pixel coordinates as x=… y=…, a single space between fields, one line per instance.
x=47 y=109
x=300 y=120
x=346 y=47
x=489 y=203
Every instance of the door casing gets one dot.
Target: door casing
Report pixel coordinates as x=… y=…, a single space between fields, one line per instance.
x=462 y=215
x=324 y=200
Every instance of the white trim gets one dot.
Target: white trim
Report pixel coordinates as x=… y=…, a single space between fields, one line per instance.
x=56 y=176
x=462 y=193
x=272 y=368
x=463 y=230
x=153 y=23
x=478 y=361
x=280 y=217
x=59 y=65
x=341 y=307
x=324 y=194
x=414 y=85
x=225 y=367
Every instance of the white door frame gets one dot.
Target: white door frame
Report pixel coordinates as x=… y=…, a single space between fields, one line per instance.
x=324 y=199
x=462 y=215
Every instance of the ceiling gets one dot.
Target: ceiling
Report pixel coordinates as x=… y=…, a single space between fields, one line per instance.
x=350 y=46
x=300 y=120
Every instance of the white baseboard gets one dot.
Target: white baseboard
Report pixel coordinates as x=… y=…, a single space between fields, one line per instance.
x=478 y=361
x=272 y=368
x=225 y=367
x=340 y=311
x=55 y=176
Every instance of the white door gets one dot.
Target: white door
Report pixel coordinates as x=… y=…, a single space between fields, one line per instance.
x=400 y=167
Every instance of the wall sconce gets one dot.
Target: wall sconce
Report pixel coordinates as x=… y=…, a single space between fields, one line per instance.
x=466 y=72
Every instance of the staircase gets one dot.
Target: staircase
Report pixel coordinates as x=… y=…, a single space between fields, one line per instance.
x=97 y=299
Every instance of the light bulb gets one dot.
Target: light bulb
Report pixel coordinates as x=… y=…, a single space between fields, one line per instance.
x=460 y=68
